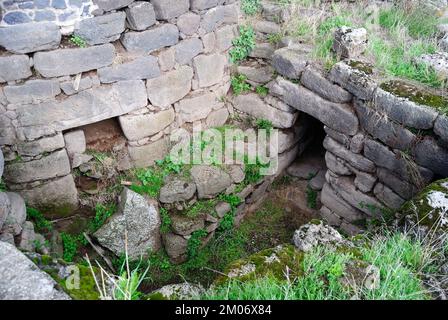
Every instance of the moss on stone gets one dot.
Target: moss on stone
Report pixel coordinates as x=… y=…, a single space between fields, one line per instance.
x=415 y=94
x=419 y=209
x=361 y=66
x=87 y=287
x=272 y=262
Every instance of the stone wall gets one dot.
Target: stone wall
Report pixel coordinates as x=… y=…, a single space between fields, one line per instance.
x=385 y=140
x=155 y=66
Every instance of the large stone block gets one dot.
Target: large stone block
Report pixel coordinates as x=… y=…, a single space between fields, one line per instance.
x=186 y=50
x=101 y=29
x=134 y=229
x=75 y=142
x=30 y=37
x=337 y=165
x=147 y=155
x=54 y=165
x=340 y=117
x=213 y=18
x=63 y=62
x=387 y=196
x=170 y=87
x=209 y=69
x=22 y=280
x=254 y=106
x=204 y=4
x=290 y=62
x=140 y=68
x=137 y=127
x=14 y=67
x=33 y=91
x=41 y=146
x=400 y=186
x=430 y=154
x=441 y=127
x=56 y=198
x=354 y=159
x=86 y=107
x=346 y=188
x=383 y=129
x=140 y=15
x=356 y=81
x=163 y=35
x=188 y=23
x=336 y=204
x=349 y=43
x=197 y=107
x=224 y=37
x=396 y=162
x=109 y=5
x=210 y=180
x=175 y=246
x=405 y=111
x=168 y=9
x=316 y=82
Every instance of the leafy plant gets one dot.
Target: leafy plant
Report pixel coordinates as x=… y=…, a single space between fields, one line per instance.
x=242 y=45
x=239 y=84
x=194 y=243
x=41 y=224
x=250 y=7
x=151 y=181
x=70 y=245
x=264 y=124
x=78 y=41
x=262 y=91
x=101 y=214
x=166 y=221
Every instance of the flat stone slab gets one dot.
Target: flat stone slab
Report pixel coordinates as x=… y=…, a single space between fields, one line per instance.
x=86 y=107
x=30 y=37
x=163 y=35
x=21 y=279
x=14 y=67
x=138 y=69
x=101 y=29
x=64 y=62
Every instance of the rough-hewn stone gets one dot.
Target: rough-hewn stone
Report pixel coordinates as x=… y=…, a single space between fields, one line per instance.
x=381 y=128
x=316 y=82
x=254 y=106
x=430 y=154
x=14 y=67
x=109 y=5
x=403 y=188
x=137 y=69
x=197 y=107
x=335 y=203
x=136 y=127
x=289 y=62
x=209 y=69
x=54 y=165
x=146 y=155
x=441 y=127
x=170 y=87
x=56 y=198
x=30 y=37
x=387 y=196
x=188 y=23
x=64 y=62
x=175 y=246
x=187 y=49
x=140 y=15
x=101 y=29
x=349 y=43
x=168 y=9
x=356 y=160
x=75 y=142
x=41 y=146
x=353 y=80
x=340 y=117
x=22 y=280
x=137 y=221
x=33 y=91
x=405 y=111
x=177 y=190
x=210 y=180
x=163 y=35
x=16 y=216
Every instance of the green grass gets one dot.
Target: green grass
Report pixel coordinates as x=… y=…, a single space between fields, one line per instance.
x=264 y=124
x=102 y=212
x=70 y=244
x=399 y=259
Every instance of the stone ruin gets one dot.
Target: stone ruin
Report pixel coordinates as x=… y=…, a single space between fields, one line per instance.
x=154 y=67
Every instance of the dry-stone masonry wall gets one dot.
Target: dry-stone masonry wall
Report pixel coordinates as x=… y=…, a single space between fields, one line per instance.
x=384 y=142
x=154 y=65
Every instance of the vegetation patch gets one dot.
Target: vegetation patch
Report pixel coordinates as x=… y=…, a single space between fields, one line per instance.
x=242 y=45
